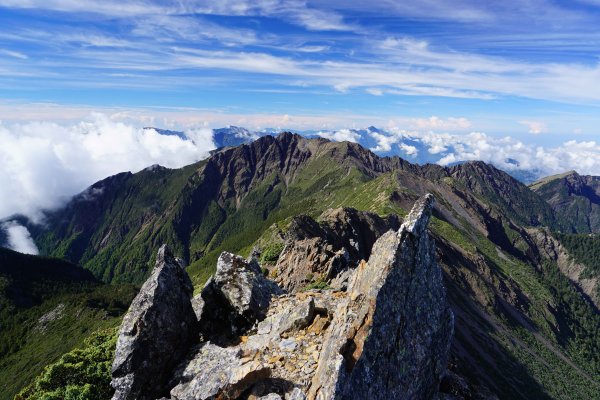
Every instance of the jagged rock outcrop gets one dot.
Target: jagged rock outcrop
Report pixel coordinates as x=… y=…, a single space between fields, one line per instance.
x=550 y=248
x=324 y=251
x=386 y=337
x=156 y=332
x=233 y=299
x=391 y=335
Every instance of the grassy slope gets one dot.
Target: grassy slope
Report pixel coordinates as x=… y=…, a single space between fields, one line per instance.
x=31 y=287
x=111 y=235
x=575 y=197
x=536 y=337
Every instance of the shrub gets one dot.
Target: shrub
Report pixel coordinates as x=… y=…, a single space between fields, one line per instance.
x=271 y=253
x=81 y=374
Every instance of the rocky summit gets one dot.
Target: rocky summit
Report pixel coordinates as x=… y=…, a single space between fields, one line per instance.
x=156 y=332
x=386 y=335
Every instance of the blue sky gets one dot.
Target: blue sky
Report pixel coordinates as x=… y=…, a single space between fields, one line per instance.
x=526 y=68
x=515 y=83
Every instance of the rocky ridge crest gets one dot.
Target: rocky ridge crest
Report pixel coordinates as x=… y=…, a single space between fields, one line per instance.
x=387 y=335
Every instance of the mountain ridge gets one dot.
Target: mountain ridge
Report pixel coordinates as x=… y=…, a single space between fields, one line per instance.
x=576 y=196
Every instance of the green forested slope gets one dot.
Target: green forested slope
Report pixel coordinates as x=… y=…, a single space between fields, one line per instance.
x=48 y=306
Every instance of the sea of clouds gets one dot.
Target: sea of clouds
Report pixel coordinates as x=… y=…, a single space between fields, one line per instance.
x=507 y=153
x=43 y=164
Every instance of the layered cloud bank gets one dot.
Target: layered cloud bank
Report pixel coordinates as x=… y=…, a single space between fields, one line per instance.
x=507 y=153
x=44 y=163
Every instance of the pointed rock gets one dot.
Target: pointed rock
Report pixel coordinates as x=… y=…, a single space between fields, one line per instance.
x=390 y=338
x=156 y=332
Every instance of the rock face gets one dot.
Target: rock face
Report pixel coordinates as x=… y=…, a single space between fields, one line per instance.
x=324 y=251
x=235 y=298
x=552 y=249
x=156 y=332
x=390 y=337
x=386 y=337
x=575 y=197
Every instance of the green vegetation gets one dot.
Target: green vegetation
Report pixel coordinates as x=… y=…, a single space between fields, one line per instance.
x=585 y=249
x=270 y=254
x=47 y=307
x=453 y=234
x=320 y=283
x=81 y=374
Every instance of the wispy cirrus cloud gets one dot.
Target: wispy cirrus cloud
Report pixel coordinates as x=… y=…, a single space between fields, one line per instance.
x=415 y=69
x=306 y=57
x=14 y=54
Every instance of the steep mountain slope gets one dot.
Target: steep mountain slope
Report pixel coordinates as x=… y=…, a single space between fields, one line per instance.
x=202 y=208
x=500 y=189
x=522 y=328
x=576 y=197
x=48 y=306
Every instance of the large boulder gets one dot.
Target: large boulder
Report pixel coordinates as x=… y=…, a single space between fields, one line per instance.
x=156 y=332
x=215 y=372
x=390 y=337
x=234 y=299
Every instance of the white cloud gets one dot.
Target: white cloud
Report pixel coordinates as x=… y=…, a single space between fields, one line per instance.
x=292 y=11
x=408 y=149
x=375 y=91
x=341 y=135
x=42 y=163
x=535 y=127
x=14 y=54
x=19 y=238
x=511 y=154
x=436 y=123
x=384 y=142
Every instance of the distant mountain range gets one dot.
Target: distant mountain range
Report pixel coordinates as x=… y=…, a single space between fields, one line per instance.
x=379 y=141
x=576 y=196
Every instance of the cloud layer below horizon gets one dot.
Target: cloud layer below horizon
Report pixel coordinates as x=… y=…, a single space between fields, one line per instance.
x=44 y=163
x=506 y=152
